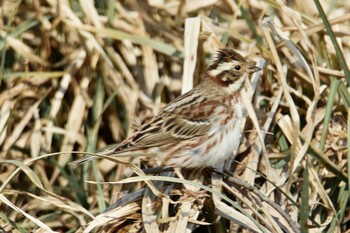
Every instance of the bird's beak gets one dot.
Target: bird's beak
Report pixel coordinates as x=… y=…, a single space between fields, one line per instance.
x=252 y=69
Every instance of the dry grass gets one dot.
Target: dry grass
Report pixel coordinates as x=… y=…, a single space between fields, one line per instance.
x=78 y=76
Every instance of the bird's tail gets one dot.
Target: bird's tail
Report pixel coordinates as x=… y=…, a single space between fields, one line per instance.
x=107 y=152
x=111 y=154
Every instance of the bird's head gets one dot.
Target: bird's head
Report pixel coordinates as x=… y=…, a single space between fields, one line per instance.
x=230 y=68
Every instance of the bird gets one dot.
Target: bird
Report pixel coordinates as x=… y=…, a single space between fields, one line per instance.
x=200 y=128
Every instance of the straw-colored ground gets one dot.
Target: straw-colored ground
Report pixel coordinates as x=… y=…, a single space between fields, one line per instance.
x=78 y=76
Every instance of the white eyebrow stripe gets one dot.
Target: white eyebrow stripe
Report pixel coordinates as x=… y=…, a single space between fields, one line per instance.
x=222 y=67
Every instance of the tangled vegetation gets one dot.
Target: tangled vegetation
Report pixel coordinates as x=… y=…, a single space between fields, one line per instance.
x=78 y=76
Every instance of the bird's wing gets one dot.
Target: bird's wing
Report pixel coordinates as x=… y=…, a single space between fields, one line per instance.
x=172 y=127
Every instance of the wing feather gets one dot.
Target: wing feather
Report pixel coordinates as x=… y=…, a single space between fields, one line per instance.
x=173 y=126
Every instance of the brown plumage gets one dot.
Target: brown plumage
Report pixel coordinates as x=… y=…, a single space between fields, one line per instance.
x=202 y=127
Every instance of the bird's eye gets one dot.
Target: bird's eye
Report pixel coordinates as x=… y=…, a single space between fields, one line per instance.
x=237 y=67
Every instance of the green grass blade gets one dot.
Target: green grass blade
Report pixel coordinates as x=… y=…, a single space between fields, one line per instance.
x=330 y=33
x=250 y=24
x=97 y=110
x=329 y=110
x=304 y=209
x=348 y=160
x=344 y=94
x=323 y=159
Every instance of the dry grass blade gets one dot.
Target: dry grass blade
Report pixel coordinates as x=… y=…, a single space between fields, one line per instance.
x=149 y=218
x=231 y=214
x=23 y=50
x=20 y=126
x=120 y=215
x=4 y=117
x=78 y=77
x=6 y=201
x=29 y=172
x=192 y=29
